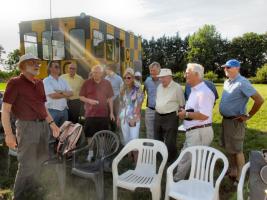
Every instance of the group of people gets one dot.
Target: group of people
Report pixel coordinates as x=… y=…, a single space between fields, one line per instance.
x=114 y=102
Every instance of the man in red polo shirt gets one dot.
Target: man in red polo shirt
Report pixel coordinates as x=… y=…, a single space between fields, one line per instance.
x=25 y=99
x=97 y=94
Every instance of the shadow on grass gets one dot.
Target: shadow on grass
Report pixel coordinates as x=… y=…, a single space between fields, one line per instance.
x=77 y=188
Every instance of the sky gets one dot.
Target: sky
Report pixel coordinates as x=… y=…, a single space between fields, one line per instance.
x=147 y=18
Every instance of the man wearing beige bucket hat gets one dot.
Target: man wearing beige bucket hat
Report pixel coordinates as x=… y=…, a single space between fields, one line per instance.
x=169 y=99
x=25 y=99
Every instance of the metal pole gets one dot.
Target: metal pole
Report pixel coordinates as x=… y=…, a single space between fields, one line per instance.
x=51 y=32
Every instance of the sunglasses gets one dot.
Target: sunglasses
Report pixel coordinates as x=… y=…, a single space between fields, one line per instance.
x=127 y=78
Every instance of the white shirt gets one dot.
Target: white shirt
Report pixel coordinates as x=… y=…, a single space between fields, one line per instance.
x=201 y=100
x=168 y=99
x=51 y=85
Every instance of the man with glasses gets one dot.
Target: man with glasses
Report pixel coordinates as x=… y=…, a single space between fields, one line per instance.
x=25 y=98
x=236 y=92
x=169 y=99
x=75 y=82
x=197 y=116
x=57 y=91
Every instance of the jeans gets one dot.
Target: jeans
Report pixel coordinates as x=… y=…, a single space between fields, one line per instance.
x=59 y=116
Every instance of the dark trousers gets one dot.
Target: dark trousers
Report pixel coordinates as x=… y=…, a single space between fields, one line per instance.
x=165 y=129
x=32 y=151
x=74 y=110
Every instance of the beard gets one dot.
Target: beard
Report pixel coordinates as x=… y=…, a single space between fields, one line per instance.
x=32 y=71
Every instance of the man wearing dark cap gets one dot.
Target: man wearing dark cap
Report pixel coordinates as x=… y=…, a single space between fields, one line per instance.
x=236 y=92
x=25 y=98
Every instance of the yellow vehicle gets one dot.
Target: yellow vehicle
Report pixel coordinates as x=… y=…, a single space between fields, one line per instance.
x=82 y=39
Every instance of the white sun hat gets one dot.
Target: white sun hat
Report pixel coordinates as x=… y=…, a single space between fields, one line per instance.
x=165 y=72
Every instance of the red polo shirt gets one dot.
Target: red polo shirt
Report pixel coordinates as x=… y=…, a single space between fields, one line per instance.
x=97 y=91
x=27 y=98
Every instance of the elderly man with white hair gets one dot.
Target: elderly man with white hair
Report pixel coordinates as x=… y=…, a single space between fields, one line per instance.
x=96 y=93
x=169 y=99
x=197 y=115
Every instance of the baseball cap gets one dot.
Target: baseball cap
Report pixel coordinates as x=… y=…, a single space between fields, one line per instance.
x=232 y=63
x=165 y=72
x=137 y=74
x=27 y=56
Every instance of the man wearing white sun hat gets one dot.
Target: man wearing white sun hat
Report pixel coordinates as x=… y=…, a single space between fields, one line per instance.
x=169 y=99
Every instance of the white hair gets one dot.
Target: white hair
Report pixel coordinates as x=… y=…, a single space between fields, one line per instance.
x=199 y=69
x=97 y=67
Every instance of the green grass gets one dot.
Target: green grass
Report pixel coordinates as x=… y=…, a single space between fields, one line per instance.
x=2 y=86
x=256 y=139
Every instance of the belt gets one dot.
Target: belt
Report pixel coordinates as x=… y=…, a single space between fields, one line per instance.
x=37 y=120
x=201 y=126
x=230 y=117
x=151 y=108
x=165 y=114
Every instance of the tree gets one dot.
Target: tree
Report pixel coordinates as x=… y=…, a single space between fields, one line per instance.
x=206 y=47
x=12 y=60
x=2 y=51
x=251 y=50
x=168 y=51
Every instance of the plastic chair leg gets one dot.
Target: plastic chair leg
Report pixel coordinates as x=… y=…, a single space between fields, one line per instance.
x=115 y=192
x=99 y=185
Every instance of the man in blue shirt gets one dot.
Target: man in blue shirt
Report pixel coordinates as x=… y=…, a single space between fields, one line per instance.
x=116 y=83
x=236 y=92
x=150 y=87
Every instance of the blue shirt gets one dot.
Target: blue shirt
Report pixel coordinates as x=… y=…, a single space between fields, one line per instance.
x=151 y=90
x=235 y=96
x=116 y=82
x=210 y=85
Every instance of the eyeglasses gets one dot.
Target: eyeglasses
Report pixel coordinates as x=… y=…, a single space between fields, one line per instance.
x=127 y=77
x=56 y=66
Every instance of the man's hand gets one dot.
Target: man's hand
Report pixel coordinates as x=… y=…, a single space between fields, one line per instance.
x=55 y=130
x=242 y=118
x=112 y=117
x=181 y=113
x=11 y=140
x=93 y=102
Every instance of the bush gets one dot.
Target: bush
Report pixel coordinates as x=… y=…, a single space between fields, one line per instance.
x=179 y=77
x=210 y=75
x=4 y=76
x=261 y=75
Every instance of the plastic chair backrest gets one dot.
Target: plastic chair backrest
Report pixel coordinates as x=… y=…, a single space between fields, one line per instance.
x=203 y=162
x=104 y=143
x=147 y=153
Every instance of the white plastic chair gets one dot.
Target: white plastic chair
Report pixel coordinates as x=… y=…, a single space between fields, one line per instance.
x=200 y=184
x=145 y=174
x=241 y=181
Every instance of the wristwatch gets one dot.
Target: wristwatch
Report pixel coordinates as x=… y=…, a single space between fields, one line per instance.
x=247 y=115
x=186 y=115
x=51 y=122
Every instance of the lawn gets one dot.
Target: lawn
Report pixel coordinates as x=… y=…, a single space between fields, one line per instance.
x=256 y=139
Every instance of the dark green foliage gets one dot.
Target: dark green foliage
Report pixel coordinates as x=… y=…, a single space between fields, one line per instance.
x=210 y=75
x=12 y=60
x=208 y=48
